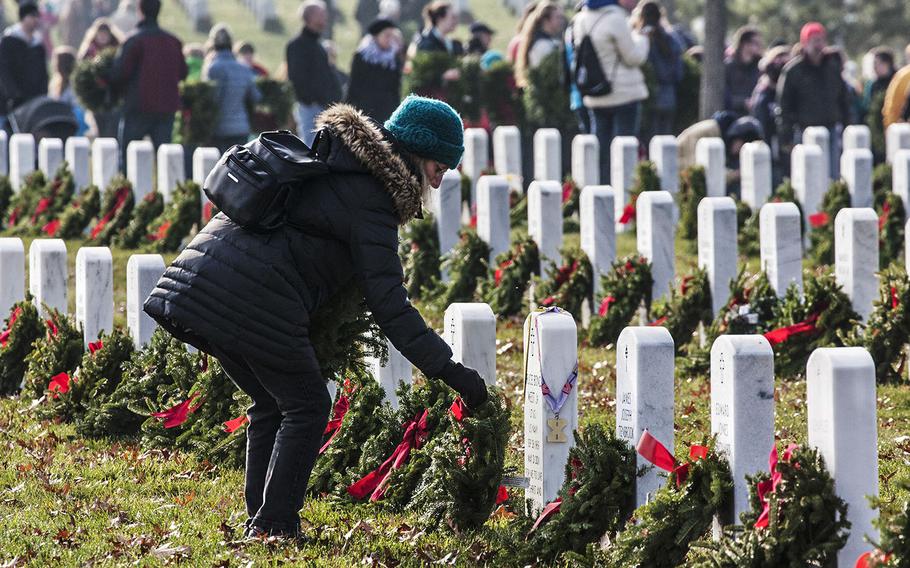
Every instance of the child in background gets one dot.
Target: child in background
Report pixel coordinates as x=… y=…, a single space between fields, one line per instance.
x=194 y=54
x=246 y=54
x=60 y=88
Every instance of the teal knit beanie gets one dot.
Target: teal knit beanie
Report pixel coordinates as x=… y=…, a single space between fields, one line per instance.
x=428 y=128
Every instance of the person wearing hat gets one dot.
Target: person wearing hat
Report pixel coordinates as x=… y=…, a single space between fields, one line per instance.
x=811 y=91
x=246 y=298
x=481 y=38
x=375 y=86
x=23 y=61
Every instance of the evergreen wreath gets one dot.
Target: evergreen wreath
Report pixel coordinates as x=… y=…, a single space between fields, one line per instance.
x=361 y=421
x=749 y=311
x=518 y=210
x=91 y=82
x=624 y=289
x=748 y=230
x=461 y=484
x=597 y=496
x=875 y=122
x=661 y=531
x=506 y=291
x=893 y=524
x=75 y=219
x=23 y=327
x=685 y=308
x=467 y=265
x=546 y=97
x=500 y=97
x=882 y=182
x=150 y=208
x=465 y=94
x=821 y=234
x=25 y=202
x=891 y=217
x=806 y=520
x=116 y=208
x=693 y=187
x=419 y=252
x=198 y=113
x=176 y=222
x=52 y=197
x=571 y=197
x=425 y=74
x=94 y=381
x=886 y=333
x=273 y=111
x=59 y=350
x=567 y=285
x=802 y=324
x=6 y=197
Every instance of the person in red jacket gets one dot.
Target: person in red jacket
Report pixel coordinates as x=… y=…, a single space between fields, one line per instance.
x=148 y=69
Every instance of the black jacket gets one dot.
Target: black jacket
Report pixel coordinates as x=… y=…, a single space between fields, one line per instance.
x=23 y=69
x=811 y=95
x=314 y=80
x=429 y=41
x=374 y=89
x=739 y=82
x=253 y=293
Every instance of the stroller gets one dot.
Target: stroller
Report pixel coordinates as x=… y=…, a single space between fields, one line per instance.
x=44 y=117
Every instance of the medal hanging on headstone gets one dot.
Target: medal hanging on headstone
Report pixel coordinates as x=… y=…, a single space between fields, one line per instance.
x=556 y=426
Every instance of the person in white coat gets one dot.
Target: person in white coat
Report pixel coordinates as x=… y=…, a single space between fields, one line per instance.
x=621 y=51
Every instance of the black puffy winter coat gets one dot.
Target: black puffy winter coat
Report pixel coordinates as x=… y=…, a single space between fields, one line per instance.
x=252 y=293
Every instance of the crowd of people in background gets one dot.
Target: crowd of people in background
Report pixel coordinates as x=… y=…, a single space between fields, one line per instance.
x=771 y=93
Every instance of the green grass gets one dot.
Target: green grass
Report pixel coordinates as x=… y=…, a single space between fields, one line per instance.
x=69 y=501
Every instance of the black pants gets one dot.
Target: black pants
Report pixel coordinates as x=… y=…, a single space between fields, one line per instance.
x=287 y=419
x=138 y=125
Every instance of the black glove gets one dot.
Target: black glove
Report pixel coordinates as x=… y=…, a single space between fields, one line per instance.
x=466 y=382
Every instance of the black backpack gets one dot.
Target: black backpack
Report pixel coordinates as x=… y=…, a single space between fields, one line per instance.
x=254 y=183
x=587 y=72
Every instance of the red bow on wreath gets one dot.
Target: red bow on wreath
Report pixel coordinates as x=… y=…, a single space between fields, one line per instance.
x=652 y=450
x=459 y=410
x=177 y=414
x=497 y=276
x=121 y=197
x=817 y=220
x=555 y=505
x=342 y=405
x=782 y=334
x=4 y=337
x=605 y=306
x=60 y=384
x=769 y=486
x=628 y=213
x=374 y=483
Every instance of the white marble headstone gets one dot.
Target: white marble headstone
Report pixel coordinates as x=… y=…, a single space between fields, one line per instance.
x=94 y=292
x=742 y=408
x=476 y=156
x=856 y=169
x=623 y=157
x=142 y=274
x=4 y=153
x=717 y=246
x=856 y=137
x=493 y=213
x=711 y=154
x=551 y=353
x=664 y=152
x=445 y=203
x=545 y=220
x=755 y=168
x=645 y=396
x=856 y=256
x=897 y=137
x=78 y=154
x=656 y=236
x=390 y=375
x=105 y=161
x=171 y=169
x=548 y=155
x=21 y=158
x=50 y=156
x=470 y=330
x=781 y=246
x=809 y=177
x=507 y=150
x=585 y=160
x=820 y=136
x=204 y=160
x=140 y=167
x=12 y=274
x=598 y=233
x=841 y=408
x=900 y=176
x=47 y=273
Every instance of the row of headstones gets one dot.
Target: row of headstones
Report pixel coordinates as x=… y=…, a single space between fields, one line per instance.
x=810 y=172
x=264 y=13
x=841 y=403
x=47 y=283
x=198 y=13
x=98 y=162
x=856 y=235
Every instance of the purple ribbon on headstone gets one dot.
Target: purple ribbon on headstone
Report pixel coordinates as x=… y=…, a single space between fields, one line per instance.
x=555 y=402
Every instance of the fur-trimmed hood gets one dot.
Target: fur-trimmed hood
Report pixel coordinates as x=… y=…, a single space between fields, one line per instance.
x=371 y=147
